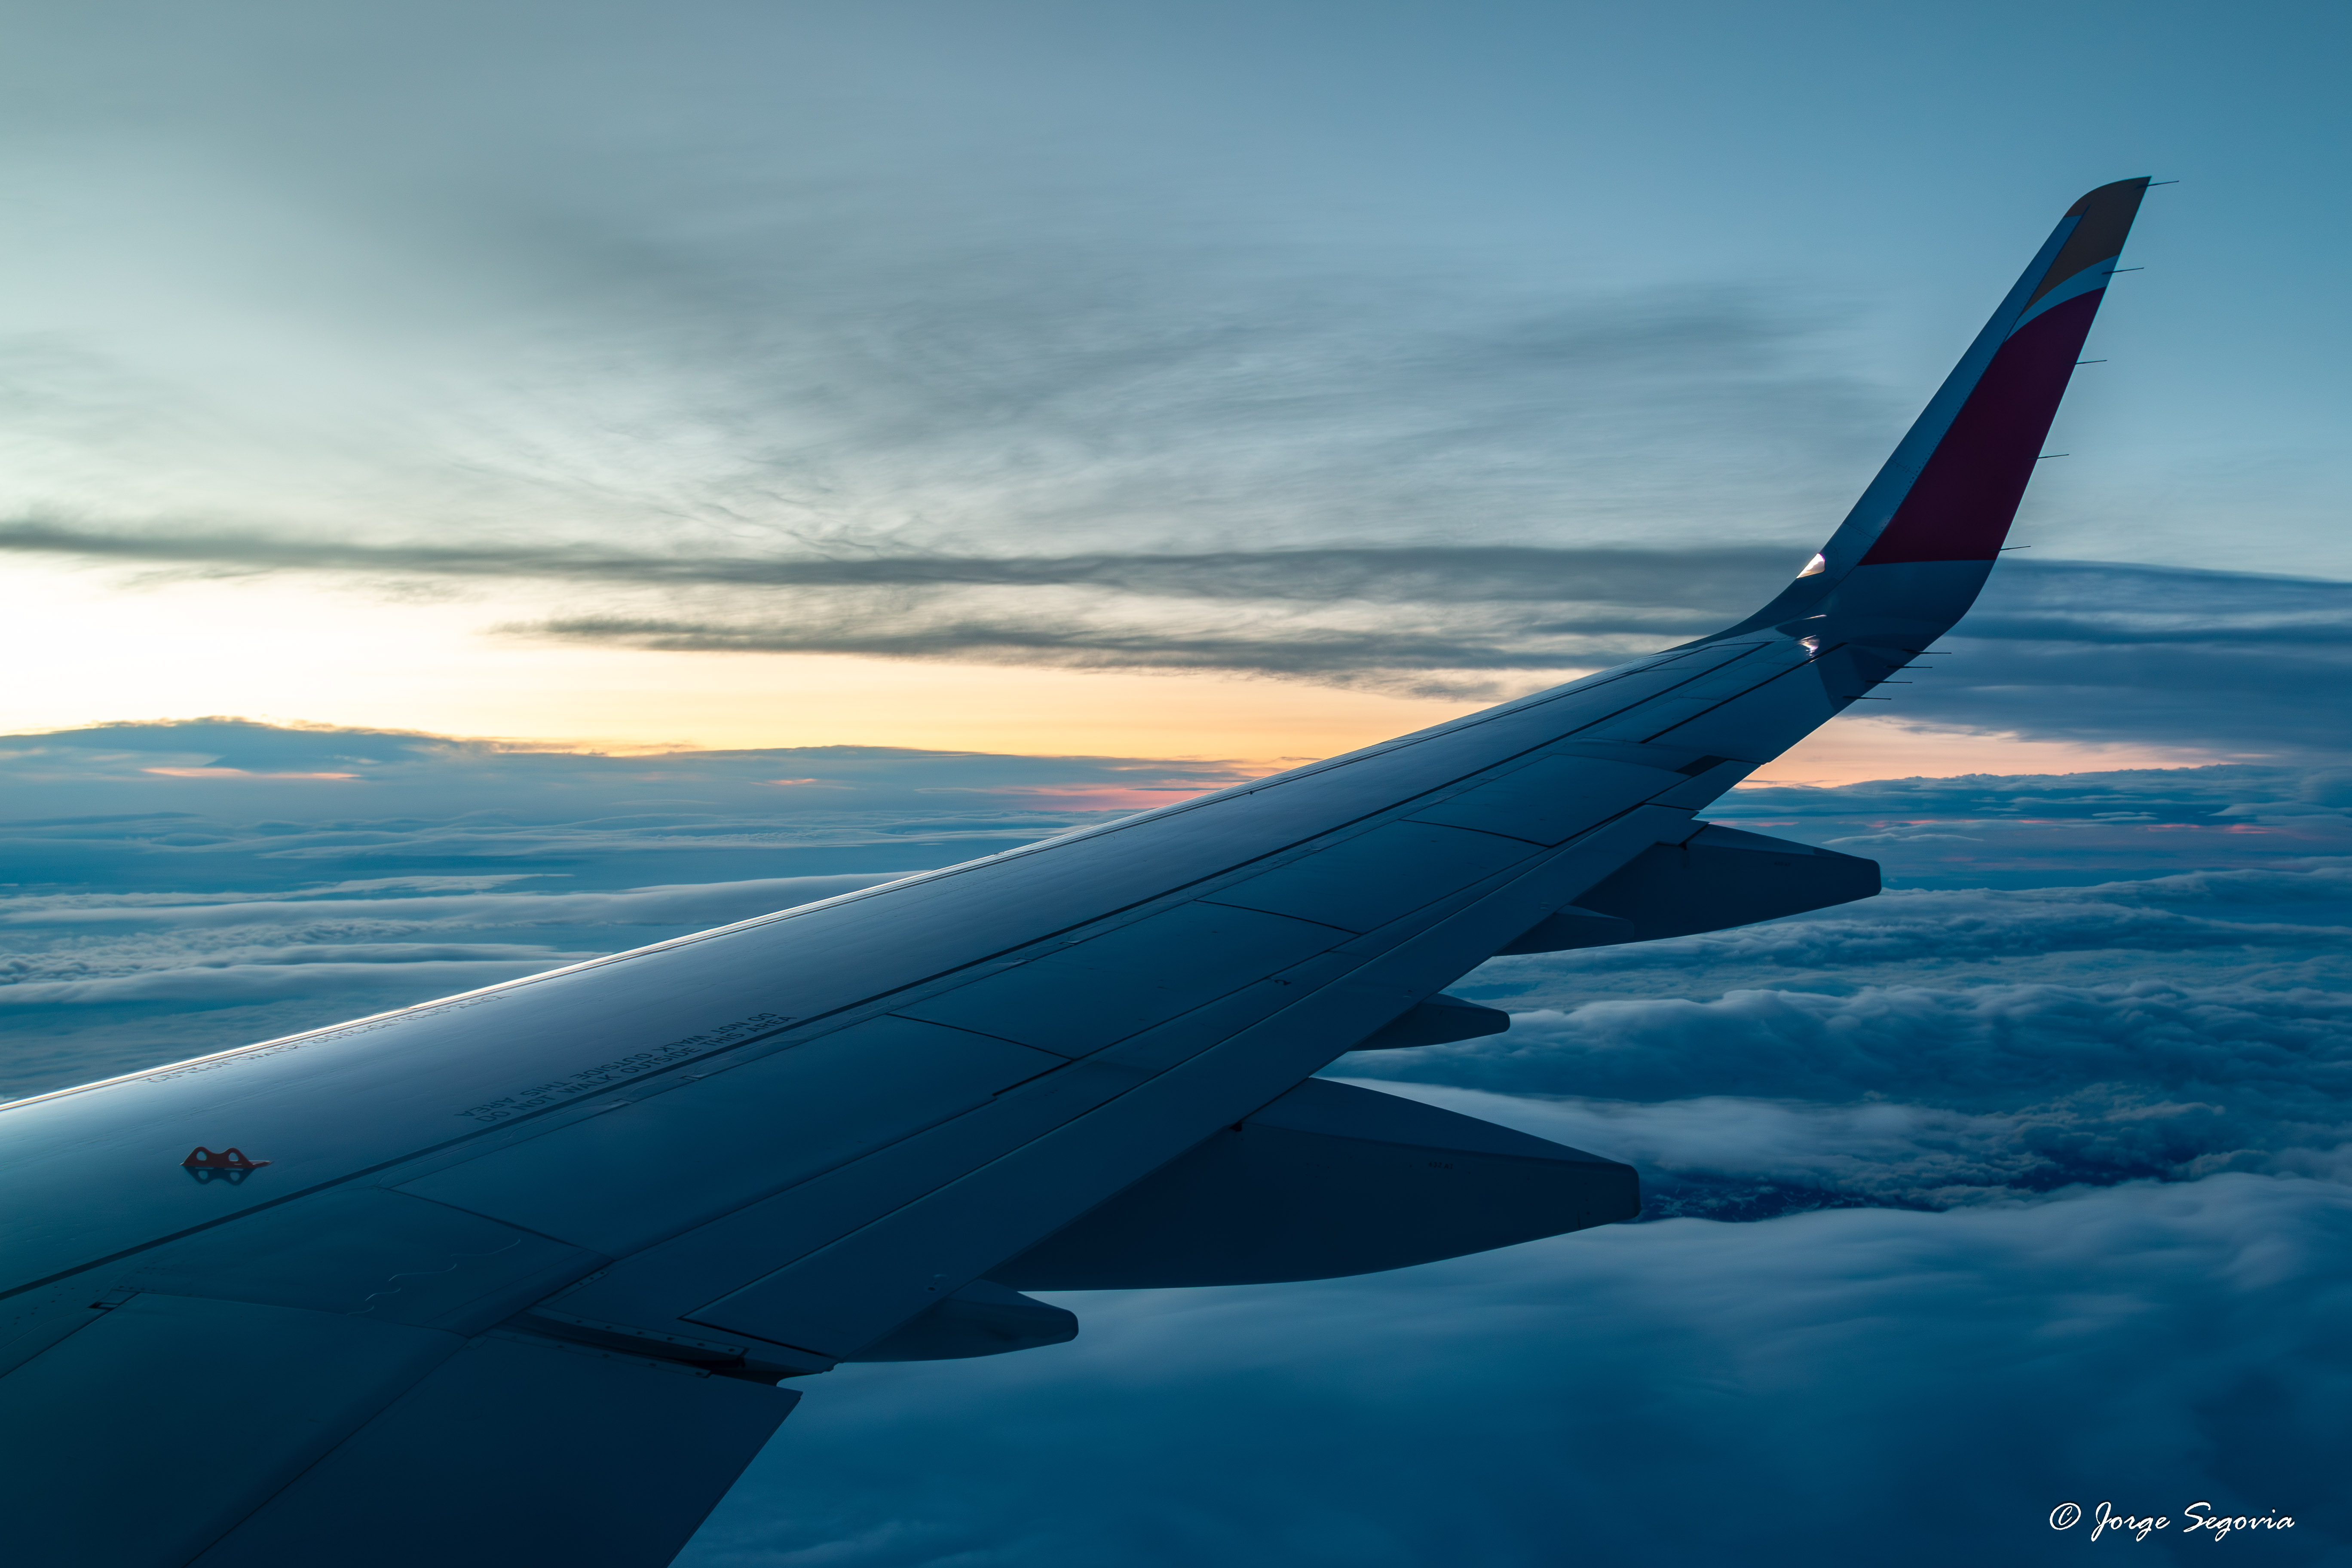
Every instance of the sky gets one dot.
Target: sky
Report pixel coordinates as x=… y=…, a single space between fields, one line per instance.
x=482 y=486
x=1215 y=381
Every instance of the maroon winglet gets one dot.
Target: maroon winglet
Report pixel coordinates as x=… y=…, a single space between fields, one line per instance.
x=1968 y=494
x=203 y=1159
x=1951 y=488
x=1961 y=506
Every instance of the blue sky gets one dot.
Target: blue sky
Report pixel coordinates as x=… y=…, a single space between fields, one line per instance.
x=630 y=467
x=874 y=369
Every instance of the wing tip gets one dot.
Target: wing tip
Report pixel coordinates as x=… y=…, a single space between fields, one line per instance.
x=2103 y=218
x=2109 y=194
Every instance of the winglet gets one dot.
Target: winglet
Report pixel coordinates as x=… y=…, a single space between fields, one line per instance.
x=1952 y=487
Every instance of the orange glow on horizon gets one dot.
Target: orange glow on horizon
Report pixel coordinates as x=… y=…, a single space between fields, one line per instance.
x=1855 y=748
x=283 y=652
x=237 y=773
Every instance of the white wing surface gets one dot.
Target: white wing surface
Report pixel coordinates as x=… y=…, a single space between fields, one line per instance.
x=515 y=1277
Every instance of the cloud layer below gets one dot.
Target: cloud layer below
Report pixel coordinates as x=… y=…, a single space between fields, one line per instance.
x=1850 y=1386
x=2022 y=1183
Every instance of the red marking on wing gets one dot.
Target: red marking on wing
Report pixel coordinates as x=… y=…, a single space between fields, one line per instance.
x=1960 y=507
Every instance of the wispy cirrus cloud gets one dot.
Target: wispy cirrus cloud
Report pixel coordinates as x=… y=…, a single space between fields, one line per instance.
x=1398 y=573
x=1411 y=614
x=2074 y=650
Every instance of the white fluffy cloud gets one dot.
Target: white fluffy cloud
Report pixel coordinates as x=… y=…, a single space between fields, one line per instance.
x=1860 y=1387
x=2042 y=1161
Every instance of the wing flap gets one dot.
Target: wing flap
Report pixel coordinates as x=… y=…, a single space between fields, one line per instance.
x=981 y=1319
x=331 y=1104
x=1722 y=877
x=848 y=1292
x=1566 y=929
x=1331 y=1179
x=831 y=1265
x=363 y=1252
x=1439 y=1021
x=656 y=1165
x=137 y=1441
x=517 y=1451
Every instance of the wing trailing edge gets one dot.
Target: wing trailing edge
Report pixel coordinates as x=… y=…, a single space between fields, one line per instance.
x=982 y=1319
x=163 y=1430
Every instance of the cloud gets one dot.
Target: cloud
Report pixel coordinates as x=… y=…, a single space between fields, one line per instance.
x=2270 y=926
x=1408 y=660
x=1922 y=1097
x=1723 y=1157
x=724 y=401
x=155 y=916
x=2258 y=888
x=1812 y=1388
x=244 y=983
x=90 y=810
x=788 y=328
x=1941 y=928
x=529 y=855
x=2117 y=604
x=1977 y=831
x=2101 y=651
x=794 y=393
x=1402 y=573
x=2093 y=1218
x=2085 y=651
x=1944 y=1047
x=698 y=904
x=1323 y=612
x=800 y=388
x=725 y=405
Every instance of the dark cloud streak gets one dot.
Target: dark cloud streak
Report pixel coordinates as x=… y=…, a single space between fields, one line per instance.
x=2082 y=650
x=1653 y=579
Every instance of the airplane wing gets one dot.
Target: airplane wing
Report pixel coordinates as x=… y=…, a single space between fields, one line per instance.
x=517 y=1277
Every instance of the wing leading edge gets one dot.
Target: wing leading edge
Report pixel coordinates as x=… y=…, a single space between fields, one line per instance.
x=635 y=1194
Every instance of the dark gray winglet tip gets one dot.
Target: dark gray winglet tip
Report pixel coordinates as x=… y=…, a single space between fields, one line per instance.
x=2106 y=217
x=2122 y=193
